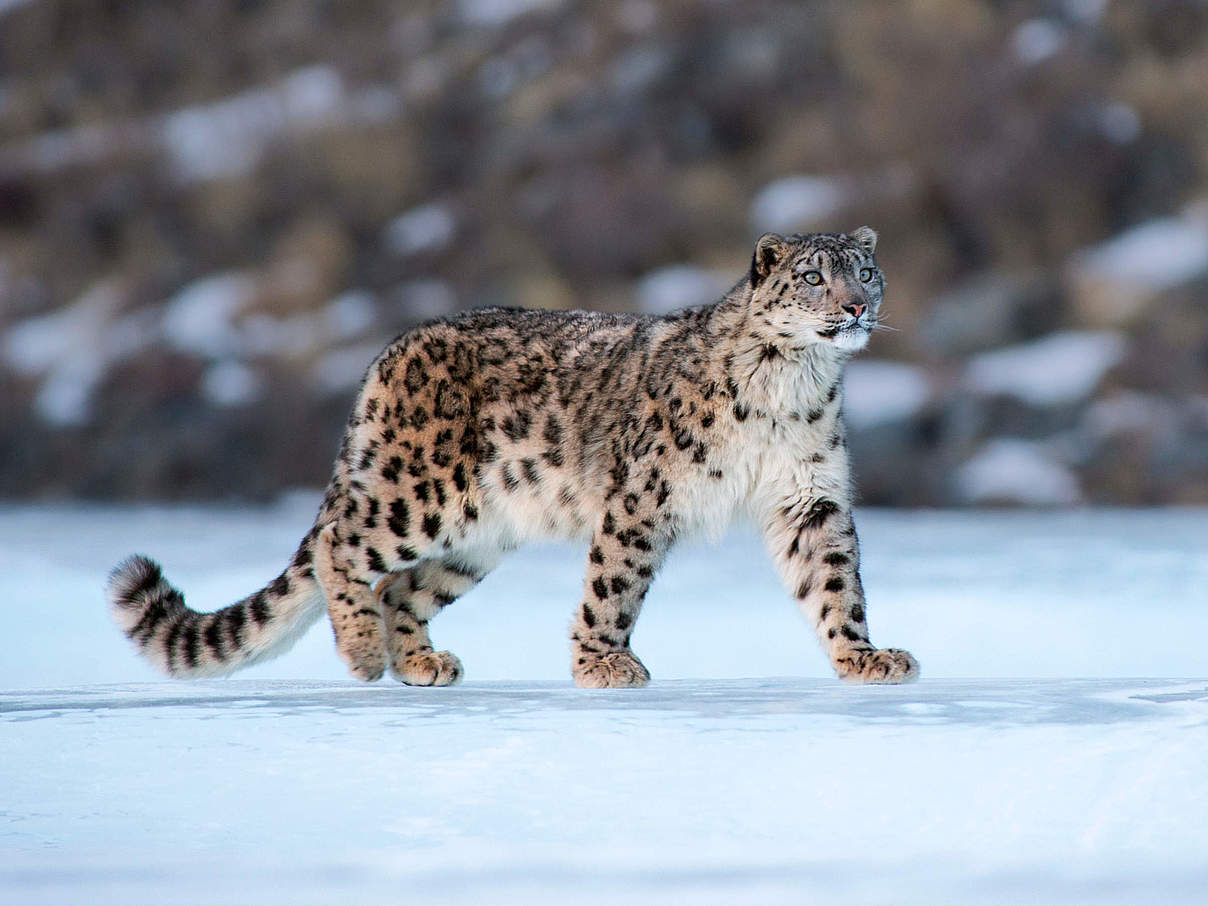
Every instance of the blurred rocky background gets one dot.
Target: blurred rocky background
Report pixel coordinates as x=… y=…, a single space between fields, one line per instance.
x=212 y=216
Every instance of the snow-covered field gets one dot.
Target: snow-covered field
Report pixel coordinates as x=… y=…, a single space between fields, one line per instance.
x=1031 y=764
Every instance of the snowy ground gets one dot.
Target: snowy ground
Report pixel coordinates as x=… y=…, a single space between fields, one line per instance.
x=744 y=774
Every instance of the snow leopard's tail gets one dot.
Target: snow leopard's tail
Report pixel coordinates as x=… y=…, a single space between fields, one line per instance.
x=186 y=643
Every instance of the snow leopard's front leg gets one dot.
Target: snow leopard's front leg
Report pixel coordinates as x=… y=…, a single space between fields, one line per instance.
x=626 y=549
x=813 y=540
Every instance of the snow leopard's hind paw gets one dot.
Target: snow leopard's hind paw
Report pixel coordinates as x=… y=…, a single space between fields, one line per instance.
x=878 y=665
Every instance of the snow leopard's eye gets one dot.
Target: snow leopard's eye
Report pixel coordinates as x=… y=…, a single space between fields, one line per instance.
x=813 y=278
x=865 y=275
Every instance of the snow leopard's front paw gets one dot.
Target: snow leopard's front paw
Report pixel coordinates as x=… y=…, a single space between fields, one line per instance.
x=878 y=665
x=615 y=670
x=429 y=668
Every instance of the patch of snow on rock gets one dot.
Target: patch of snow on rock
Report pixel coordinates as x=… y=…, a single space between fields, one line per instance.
x=74 y=348
x=1061 y=368
x=231 y=383
x=1158 y=254
x=428 y=228
x=268 y=335
x=1127 y=412
x=494 y=13
x=8 y=5
x=678 y=286
x=876 y=393
x=226 y=138
x=198 y=319
x=1036 y=40
x=64 y=397
x=1016 y=471
x=1120 y=123
x=795 y=202
x=36 y=344
x=1087 y=12
x=350 y=314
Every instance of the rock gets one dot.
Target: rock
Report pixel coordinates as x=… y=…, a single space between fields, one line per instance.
x=990 y=310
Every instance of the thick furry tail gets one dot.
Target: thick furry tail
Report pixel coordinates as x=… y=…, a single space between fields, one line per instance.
x=185 y=643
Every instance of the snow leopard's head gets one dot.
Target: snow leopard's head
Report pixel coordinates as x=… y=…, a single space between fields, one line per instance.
x=817 y=287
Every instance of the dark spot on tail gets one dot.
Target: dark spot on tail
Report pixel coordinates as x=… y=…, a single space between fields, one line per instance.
x=213 y=637
x=235 y=619
x=260 y=610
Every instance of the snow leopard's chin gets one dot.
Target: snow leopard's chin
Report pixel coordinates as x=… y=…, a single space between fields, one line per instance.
x=853 y=339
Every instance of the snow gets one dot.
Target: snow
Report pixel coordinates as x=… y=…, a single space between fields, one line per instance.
x=1153 y=256
x=199 y=318
x=224 y=138
x=678 y=286
x=1008 y=470
x=1120 y=123
x=72 y=349
x=876 y=393
x=350 y=314
x=227 y=137
x=428 y=228
x=231 y=383
x=795 y=202
x=35 y=345
x=9 y=5
x=743 y=774
x=1059 y=369
x=1036 y=40
x=1125 y=412
x=495 y=13
x=1085 y=12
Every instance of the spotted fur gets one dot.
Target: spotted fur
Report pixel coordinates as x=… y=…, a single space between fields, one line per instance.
x=475 y=433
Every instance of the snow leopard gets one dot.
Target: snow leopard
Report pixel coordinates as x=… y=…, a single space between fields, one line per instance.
x=474 y=433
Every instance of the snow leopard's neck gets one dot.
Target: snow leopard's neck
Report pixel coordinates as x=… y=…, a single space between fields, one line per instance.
x=769 y=373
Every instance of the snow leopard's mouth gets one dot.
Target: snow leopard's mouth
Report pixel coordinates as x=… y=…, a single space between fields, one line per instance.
x=849 y=327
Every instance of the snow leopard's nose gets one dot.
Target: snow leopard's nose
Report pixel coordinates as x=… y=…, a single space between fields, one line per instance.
x=855 y=309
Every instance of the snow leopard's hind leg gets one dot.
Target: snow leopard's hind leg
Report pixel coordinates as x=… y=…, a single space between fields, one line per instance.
x=409 y=599
x=356 y=618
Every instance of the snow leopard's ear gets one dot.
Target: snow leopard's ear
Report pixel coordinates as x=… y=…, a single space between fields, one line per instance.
x=866 y=238
x=770 y=250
